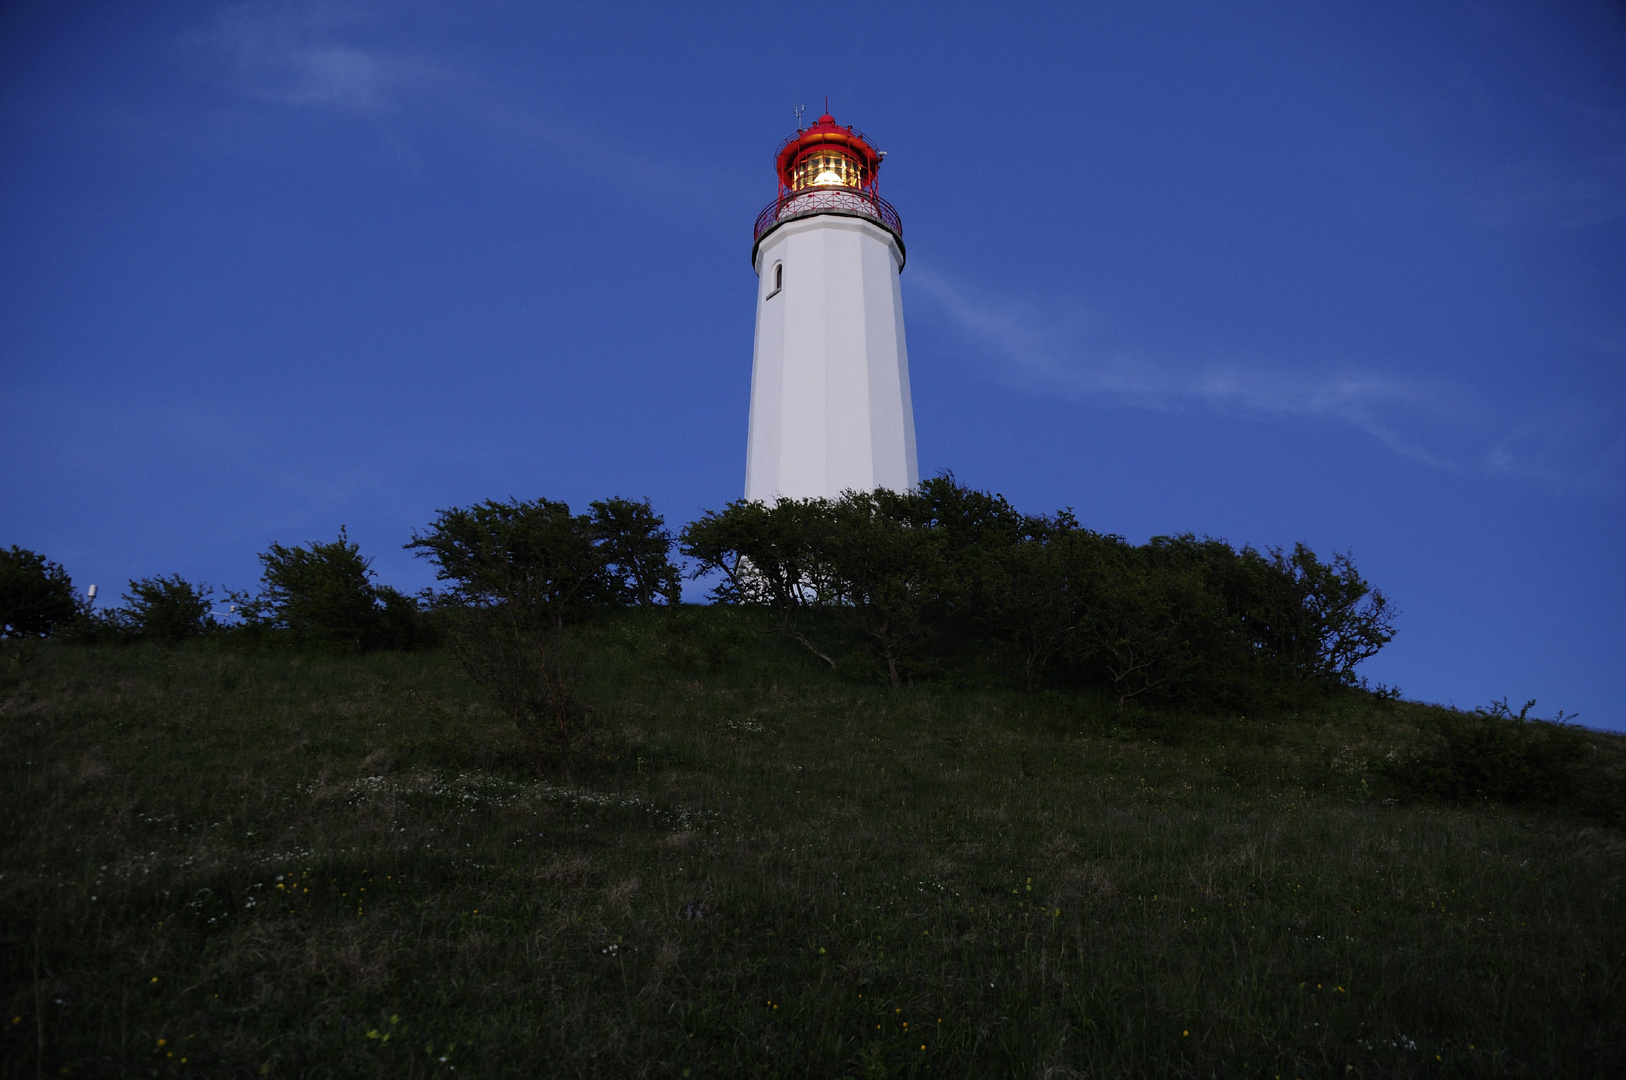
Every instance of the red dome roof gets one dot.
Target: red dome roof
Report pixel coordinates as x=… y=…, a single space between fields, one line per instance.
x=827 y=134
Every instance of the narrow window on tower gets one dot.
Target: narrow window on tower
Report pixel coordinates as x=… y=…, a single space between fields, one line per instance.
x=778 y=280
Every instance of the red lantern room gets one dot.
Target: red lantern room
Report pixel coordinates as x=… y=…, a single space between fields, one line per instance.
x=827 y=155
x=827 y=169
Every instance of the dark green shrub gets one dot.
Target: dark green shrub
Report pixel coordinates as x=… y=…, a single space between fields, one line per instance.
x=636 y=550
x=92 y=627
x=166 y=609
x=402 y=622
x=944 y=577
x=36 y=594
x=1201 y=612
x=1029 y=587
x=1494 y=754
x=322 y=593
x=519 y=573
x=1149 y=619
x=886 y=574
x=322 y=596
x=536 y=557
x=1326 y=618
x=870 y=562
x=766 y=555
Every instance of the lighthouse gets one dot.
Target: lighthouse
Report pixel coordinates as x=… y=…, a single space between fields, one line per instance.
x=830 y=407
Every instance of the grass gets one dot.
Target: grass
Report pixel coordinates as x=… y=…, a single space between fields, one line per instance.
x=278 y=865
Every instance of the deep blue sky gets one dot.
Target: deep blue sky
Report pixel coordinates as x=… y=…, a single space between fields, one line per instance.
x=1351 y=274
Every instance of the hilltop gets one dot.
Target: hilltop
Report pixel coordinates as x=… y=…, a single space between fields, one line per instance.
x=242 y=862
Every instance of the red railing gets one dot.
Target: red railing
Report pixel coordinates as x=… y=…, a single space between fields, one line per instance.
x=844 y=201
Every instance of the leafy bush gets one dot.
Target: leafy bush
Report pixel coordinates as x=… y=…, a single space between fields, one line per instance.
x=529 y=668
x=940 y=574
x=886 y=574
x=1029 y=591
x=913 y=584
x=557 y=565
x=401 y=623
x=1146 y=618
x=870 y=561
x=1327 y=618
x=536 y=557
x=167 y=609
x=321 y=595
x=1494 y=754
x=636 y=550
x=36 y=594
x=765 y=555
x=518 y=572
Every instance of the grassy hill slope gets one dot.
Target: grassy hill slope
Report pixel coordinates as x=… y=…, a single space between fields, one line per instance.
x=282 y=865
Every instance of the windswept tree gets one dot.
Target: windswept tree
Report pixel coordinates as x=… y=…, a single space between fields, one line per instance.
x=636 y=550
x=1328 y=618
x=36 y=594
x=536 y=558
x=914 y=574
x=970 y=520
x=869 y=560
x=973 y=525
x=167 y=608
x=518 y=572
x=1030 y=585
x=768 y=555
x=885 y=570
x=1144 y=617
x=322 y=595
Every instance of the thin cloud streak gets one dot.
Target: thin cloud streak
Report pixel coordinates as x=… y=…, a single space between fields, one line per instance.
x=1043 y=353
x=1541 y=448
x=296 y=57
x=1558 y=195
x=301 y=57
x=1577 y=446
x=1583 y=190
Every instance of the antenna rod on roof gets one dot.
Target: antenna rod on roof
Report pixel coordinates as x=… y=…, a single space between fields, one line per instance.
x=799 y=109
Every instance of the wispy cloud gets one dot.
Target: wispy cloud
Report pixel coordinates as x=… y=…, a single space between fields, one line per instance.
x=596 y=154
x=1579 y=189
x=335 y=58
x=1561 y=195
x=1051 y=351
x=318 y=57
x=1062 y=349
x=1574 y=444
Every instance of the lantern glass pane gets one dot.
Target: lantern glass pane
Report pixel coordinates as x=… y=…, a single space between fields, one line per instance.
x=827 y=168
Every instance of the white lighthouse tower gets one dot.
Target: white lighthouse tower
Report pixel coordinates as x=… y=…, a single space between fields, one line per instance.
x=830 y=406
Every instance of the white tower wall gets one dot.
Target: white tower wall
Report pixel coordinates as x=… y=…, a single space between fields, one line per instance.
x=830 y=404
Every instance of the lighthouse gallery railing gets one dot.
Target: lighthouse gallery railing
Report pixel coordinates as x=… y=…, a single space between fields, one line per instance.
x=851 y=202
